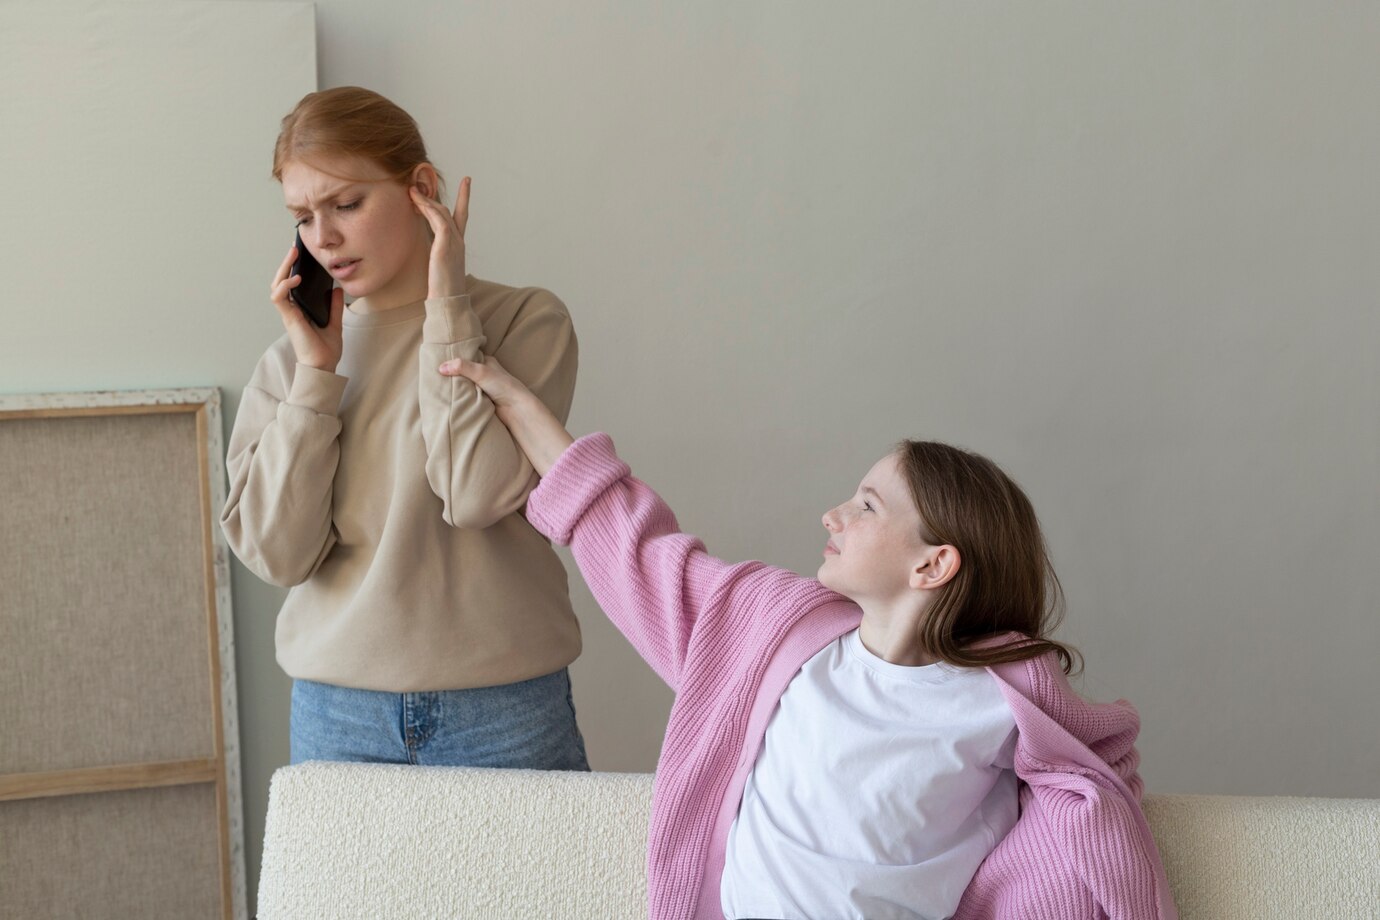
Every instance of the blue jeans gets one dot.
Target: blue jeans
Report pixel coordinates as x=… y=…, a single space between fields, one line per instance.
x=529 y=724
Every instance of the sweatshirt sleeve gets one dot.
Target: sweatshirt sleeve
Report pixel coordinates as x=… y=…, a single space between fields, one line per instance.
x=654 y=582
x=472 y=463
x=281 y=464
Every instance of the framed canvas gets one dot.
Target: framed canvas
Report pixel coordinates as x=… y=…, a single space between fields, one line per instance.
x=119 y=760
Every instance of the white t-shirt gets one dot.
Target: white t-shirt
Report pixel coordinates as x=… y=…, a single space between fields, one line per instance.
x=878 y=791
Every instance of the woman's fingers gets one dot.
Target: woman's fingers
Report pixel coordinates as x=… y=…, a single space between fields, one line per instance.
x=283 y=282
x=446 y=266
x=280 y=297
x=437 y=216
x=294 y=320
x=337 y=308
x=282 y=273
x=462 y=205
x=284 y=276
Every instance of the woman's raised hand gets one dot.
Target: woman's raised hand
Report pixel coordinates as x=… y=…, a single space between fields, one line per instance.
x=537 y=431
x=446 y=272
x=319 y=348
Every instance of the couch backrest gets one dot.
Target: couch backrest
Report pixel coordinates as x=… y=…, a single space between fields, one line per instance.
x=377 y=841
x=381 y=841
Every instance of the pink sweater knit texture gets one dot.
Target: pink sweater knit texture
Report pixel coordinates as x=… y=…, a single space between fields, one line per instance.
x=729 y=638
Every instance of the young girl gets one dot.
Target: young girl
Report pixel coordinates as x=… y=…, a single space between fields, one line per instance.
x=427 y=622
x=896 y=739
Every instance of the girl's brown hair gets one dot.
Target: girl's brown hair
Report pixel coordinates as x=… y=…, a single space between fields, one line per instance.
x=350 y=121
x=1005 y=581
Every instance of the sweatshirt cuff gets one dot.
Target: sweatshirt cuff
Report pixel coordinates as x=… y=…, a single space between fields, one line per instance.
x=450 y=320
x=579 y=476
x=317 y=390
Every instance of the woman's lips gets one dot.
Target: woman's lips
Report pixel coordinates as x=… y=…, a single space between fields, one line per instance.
x=343 y=270
x=830 y=549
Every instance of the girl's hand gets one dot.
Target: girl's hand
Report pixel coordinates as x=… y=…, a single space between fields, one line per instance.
x=319 y=348
x=446 y=271
x=537 y=431
x=506 y=391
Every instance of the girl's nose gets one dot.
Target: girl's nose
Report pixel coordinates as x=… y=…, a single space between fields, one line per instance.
x=831 y=520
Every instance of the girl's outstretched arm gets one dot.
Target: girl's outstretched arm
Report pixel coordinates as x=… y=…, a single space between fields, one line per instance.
x=657 y=584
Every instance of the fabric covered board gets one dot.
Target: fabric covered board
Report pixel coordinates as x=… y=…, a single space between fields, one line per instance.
x=119 y=770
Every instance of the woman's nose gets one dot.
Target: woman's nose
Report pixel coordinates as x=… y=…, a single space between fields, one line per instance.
x=831 y=520
x=327 y=234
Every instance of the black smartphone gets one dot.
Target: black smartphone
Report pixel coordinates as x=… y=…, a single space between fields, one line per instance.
x=313 y=295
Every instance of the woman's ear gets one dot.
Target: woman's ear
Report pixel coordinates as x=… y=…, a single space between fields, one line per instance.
x=425 y=180
x=936 y=567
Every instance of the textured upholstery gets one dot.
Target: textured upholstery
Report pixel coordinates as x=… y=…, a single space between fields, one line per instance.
x=376 y=841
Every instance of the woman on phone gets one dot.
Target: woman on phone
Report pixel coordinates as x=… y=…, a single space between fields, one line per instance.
x=426 y=621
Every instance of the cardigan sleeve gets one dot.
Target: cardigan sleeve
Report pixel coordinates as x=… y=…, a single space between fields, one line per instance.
x=654 y=582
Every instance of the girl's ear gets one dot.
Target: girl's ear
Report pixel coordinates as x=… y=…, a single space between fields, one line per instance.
x=425 y=180
x=936 y=567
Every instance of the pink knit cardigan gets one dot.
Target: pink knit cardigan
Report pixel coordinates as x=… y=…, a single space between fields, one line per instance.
x=728 y=638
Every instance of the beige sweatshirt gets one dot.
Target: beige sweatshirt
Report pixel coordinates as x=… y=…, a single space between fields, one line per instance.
x=388 y=498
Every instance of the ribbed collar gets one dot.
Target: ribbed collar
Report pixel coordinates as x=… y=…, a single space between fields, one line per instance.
x=403 y=314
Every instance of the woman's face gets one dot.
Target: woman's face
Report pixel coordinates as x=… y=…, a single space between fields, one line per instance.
x=364 y=230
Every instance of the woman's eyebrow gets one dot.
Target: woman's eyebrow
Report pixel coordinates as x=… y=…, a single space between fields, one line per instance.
x=331 y=198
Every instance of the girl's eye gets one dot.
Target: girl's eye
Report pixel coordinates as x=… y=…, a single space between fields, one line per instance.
x=347 y=207
x=301 y=223
x=867 y=506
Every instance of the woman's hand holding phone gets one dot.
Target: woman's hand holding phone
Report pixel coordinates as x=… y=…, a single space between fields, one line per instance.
x=315 y=347
x=446 y=271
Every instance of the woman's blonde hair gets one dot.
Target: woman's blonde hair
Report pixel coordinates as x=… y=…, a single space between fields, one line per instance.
x=1005 y=580
x=350 y=121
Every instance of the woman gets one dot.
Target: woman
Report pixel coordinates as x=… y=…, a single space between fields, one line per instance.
x=427 y=622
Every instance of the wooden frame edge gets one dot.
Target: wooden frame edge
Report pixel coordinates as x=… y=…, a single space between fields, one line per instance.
x=16 y=787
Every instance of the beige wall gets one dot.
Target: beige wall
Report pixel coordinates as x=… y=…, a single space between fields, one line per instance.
x=139 y=229
x=1127 y=251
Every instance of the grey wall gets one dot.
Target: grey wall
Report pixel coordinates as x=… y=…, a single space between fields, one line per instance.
x=1128 y=251
x=139 y=229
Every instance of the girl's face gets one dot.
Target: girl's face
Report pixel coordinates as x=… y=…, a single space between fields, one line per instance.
x=364 y=230
x=874 y=539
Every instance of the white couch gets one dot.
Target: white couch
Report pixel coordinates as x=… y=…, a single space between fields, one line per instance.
x=374 y=841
